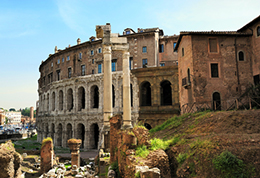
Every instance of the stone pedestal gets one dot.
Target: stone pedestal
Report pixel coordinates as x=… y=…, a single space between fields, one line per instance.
x=46 y=155
x=74 y=145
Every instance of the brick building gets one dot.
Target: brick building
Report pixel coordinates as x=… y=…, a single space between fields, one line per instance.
x=216 y=67
x=71 y=86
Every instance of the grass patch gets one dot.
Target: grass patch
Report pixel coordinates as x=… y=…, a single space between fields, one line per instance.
x=230 y=166
x=170 y=123
x=181 y=157
x=142 y=151
x=114 y=166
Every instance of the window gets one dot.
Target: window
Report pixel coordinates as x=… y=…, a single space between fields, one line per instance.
x=213 y=48
x=92 y=39
x=52 y=64
x=63 y=59
x=241 y=56
x=92 y=52
x=99 y=68
x=58 y=62
x=258 y=31
x=93 y=72
x=50 y=78
x=144 y=63
x=99 y=50
x=174 y=44
x=80 y=55
x=83 y=70
x=130 y=63
x=144 y=49
x=161 y=48
x=127 y=32
x=214 y=70
x=58 y=75
x=93 y=61
x=162 y=64
x=182 y=52
x=113 y=66
x=68 y=58
x=69 y=72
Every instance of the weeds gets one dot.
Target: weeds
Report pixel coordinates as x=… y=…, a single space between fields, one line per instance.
x=181 y=157
x=142 y=151
x=230 y=166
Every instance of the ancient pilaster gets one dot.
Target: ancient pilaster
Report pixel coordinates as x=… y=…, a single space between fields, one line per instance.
x=126 y=92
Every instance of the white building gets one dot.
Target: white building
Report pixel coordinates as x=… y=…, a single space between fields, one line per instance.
x=13 y=117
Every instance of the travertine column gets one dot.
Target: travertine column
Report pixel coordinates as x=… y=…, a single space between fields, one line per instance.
x=126 y=92
x=107 y=97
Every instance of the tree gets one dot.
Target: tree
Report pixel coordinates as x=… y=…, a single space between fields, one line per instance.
x=11 y=109
x=26 y=112
x=6 y=120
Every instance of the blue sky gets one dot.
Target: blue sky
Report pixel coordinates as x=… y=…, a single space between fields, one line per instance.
x=30 y=29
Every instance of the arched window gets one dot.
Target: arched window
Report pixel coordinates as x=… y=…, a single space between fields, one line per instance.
x=81 y=134
x=70 y=100
x=60 y=100
x=94 y=136
x=241 y=56
x=81 y=98
x=258 y=31
x=113 y=96
x=145 y=94
x=216 y=101
x=48 y=102
x=188 y=75
x=59 y=133
x=148 y=126
x=166 y=93
x=53 y=101
x=94 y=96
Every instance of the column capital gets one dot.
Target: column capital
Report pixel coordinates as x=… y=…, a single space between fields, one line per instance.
x=107 y=49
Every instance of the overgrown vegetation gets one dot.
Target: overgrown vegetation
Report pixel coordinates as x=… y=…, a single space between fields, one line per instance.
x=181 y=157
x=230 y=166
x=46 y=140
x=114 y=166
x=137 y=175
x=142 y=151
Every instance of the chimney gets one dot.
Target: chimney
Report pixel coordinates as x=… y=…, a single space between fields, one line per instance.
x=78 y=41
x=55 y=49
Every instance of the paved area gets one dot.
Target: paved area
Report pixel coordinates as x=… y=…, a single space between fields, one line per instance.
x=83 y=154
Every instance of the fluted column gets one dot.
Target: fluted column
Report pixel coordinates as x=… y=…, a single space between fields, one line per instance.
x=126 y=92
x=107 y=97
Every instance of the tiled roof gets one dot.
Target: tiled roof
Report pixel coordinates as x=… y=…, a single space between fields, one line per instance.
x=249 y=24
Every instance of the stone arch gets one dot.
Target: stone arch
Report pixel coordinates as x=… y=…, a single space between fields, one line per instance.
x=53 y=101
x=166 y=93
x=145 y=94
x=59 y=135
x=48 y=102
x=52 y=131
x=94 y=136
x=68 y=132
x=70 y=99
x=81 y=98
x=148 y=126
x=81 y=133
x=60 y=100
x=216 y=101
x=113 y=96
x=94 y=93
x=46 y=130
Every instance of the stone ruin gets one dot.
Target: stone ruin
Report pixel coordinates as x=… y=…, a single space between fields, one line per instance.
x=122 y=150
x=10 y=161
x=47 y=155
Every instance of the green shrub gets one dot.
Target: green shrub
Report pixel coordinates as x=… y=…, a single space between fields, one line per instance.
x=137 y=175
x=181 y=157
x=142 y=151
x=114 y=166
x=230 y=166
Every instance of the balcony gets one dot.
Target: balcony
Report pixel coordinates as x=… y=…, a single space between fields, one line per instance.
x=186 y=83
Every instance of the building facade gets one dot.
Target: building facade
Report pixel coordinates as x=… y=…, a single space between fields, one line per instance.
x=71 y=86
x=216 y=68
x=13 y=117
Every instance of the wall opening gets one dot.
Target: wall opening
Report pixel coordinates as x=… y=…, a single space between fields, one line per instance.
x=81 y=134
x=166 y=93
x=46 y=130
x=145 y=94
x=59 y=133
x=113 y=96
x=52 y=131
x=60 y=100
x=70 y=100
x=148 y=126
x=216 y=101
x=53 y=101
x=69 y=132
x=48 y=102
x=81 y=98
x=94 y=129
x=131 y=94
x=94 y=96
